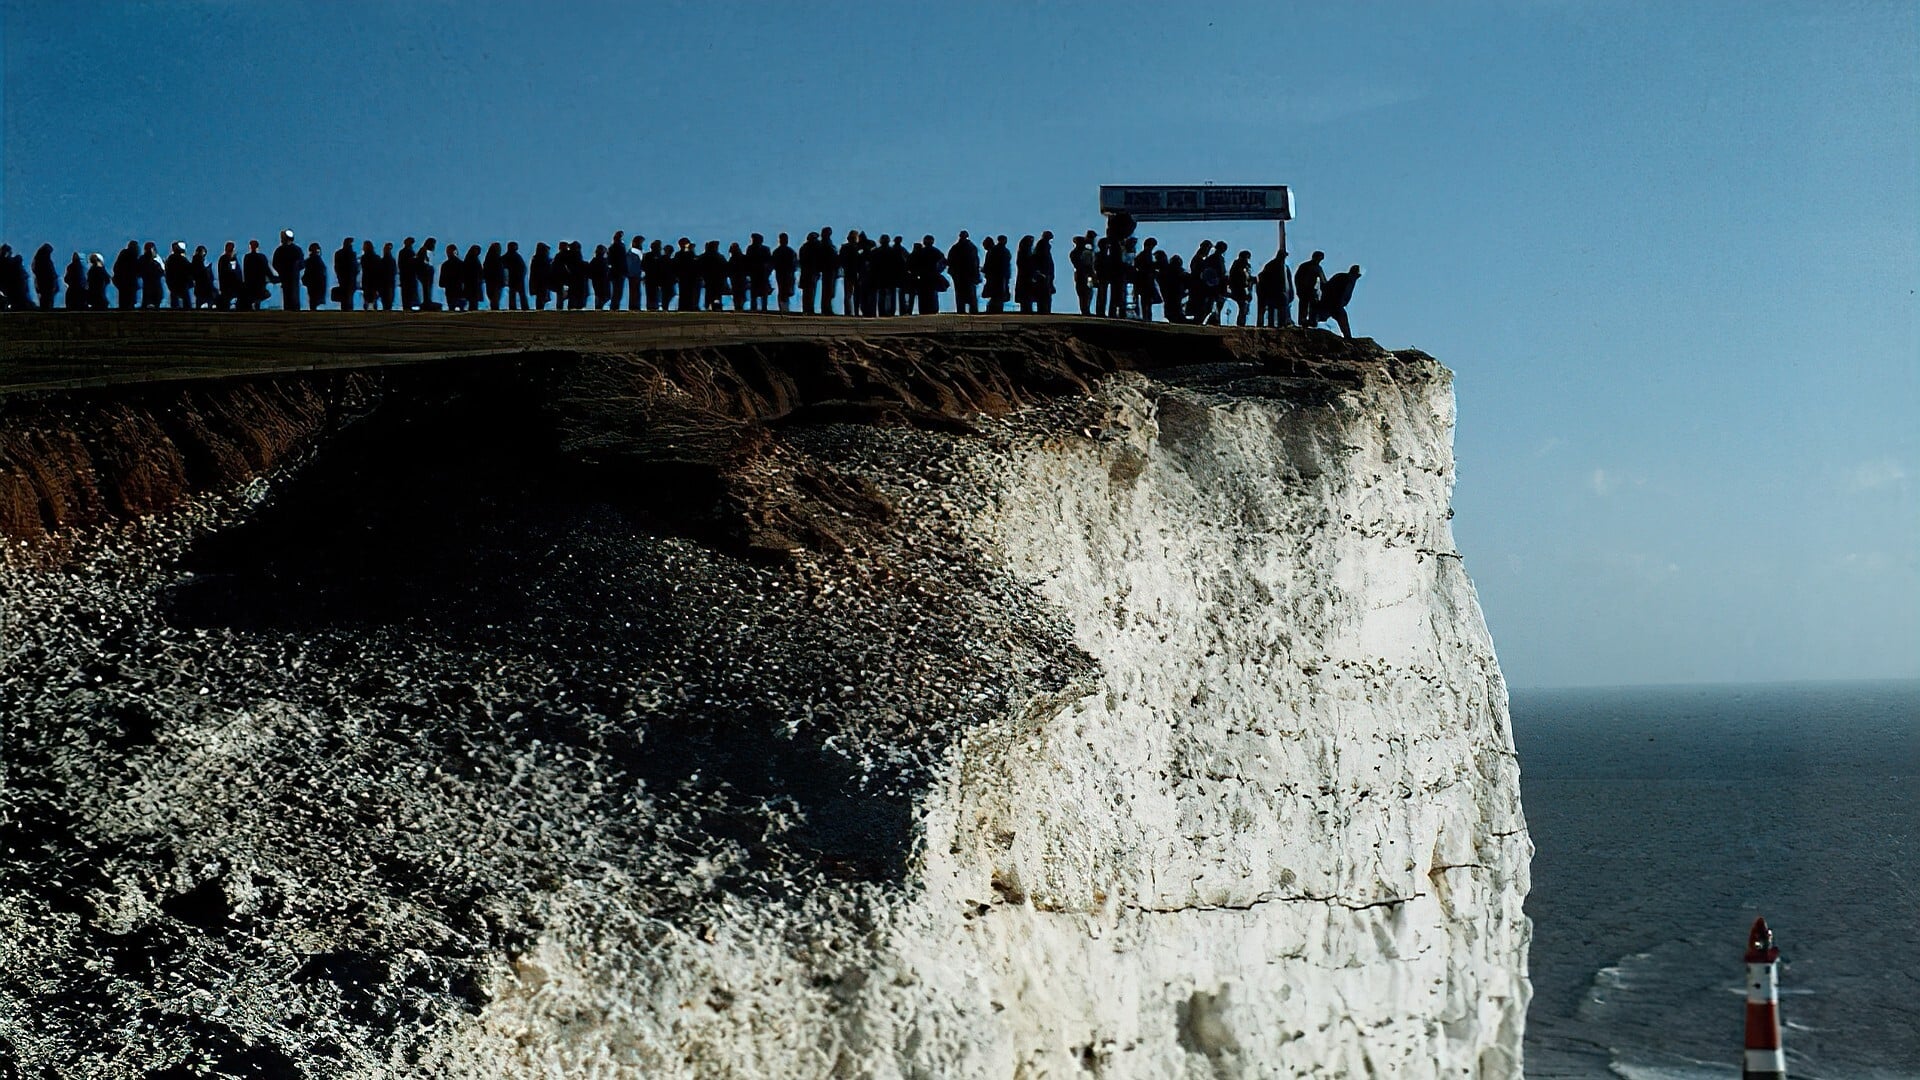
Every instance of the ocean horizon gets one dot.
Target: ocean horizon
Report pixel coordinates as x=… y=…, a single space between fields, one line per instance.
x=1665 y=818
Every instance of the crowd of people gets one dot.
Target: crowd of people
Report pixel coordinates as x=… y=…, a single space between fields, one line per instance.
x=873 y=276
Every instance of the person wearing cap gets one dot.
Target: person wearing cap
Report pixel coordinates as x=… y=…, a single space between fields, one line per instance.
x=287 y=264
x=1337 y=295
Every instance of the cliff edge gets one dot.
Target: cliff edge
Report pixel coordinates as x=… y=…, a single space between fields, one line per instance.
x=1041 y=700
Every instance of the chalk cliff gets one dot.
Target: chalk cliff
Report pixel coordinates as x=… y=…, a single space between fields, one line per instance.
x=1030 y=704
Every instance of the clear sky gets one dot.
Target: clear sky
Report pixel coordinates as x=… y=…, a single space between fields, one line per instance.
x=1669 y=249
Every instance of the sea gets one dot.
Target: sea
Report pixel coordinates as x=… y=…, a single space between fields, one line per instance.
x=1665 y=819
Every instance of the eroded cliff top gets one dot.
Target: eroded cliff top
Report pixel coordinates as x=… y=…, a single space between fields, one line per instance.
x=112 y=416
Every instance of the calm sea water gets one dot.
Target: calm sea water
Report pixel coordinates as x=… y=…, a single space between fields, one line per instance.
x=1667 y=818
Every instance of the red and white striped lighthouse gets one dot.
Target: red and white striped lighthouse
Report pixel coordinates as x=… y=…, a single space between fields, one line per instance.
x=1765 y=1059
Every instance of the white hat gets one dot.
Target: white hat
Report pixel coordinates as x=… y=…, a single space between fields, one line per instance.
x=179 y=245
x=286 y=234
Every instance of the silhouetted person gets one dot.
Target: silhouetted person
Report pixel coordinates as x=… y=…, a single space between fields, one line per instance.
x=288 y=261
x=636 y=268
x=599 y=276
x=784 y=261
x=759 y=267
x=1308 y=280
x=1106 y=274
x=996 y=265
x=1173 y=288
x=930 y=276
x=1043 y=271
x=406 y=263
x=179 y=275
x=963 y=265
x=476 y=283
x=1146 y=278
x=686 y=274
x=153 y=276
x=1275 y=288
x=514 y=266
x=713 y=276
x=885 y=282
x=313 y=274
x=96 y=283
x=807 y=262
x=579 y=274
x=1336 y=296
x=256 y=272
x=453 y=279
x=79 y=298
x=1122 y=263
x=204 y=293
x=1199 y=285
x=232 y=280
x=736 y=278
x=13 y=294
x=540 y=275
x=346 y=274
x=853 y=275
x=493 y=275
x=1081 y=259
x=389 y=275
x=1240 y=286
x=46 y=280
x=615 y=257
x=829 y=269
x=371 y=273
x=1023 y=275
x=656 y=268
x=423 y=272
x=126 y=276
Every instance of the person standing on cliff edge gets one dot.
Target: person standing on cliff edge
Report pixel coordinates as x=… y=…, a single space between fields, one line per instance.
x=1308 y=280
x=288 y=260
x=346 y=273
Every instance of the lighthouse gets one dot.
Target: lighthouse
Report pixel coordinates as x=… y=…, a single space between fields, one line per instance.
x=1764 y=1060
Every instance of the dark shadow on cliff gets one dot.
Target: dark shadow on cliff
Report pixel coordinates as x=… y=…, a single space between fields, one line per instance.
x=449 y=516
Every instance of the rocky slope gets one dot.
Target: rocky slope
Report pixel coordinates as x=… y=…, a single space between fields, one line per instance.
x=1045 y=702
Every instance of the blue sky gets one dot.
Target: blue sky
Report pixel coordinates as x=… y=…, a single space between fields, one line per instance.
x=1670 y=250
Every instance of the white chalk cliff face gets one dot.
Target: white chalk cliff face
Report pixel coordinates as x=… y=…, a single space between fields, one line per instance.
x=1277 y=832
